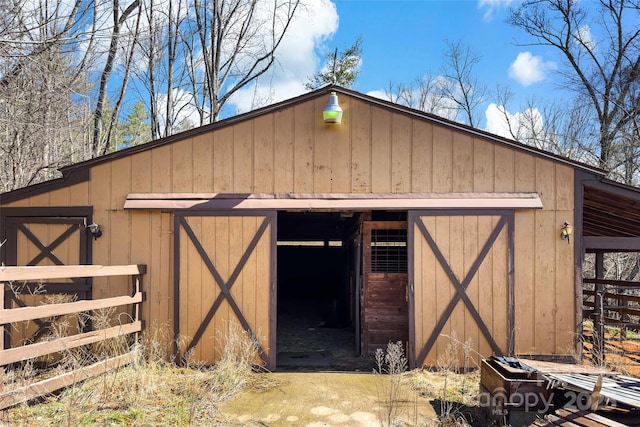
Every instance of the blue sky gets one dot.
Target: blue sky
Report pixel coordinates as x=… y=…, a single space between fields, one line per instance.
x=405 y=39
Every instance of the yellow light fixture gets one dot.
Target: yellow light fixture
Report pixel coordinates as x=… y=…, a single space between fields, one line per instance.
x=332 y=113
x=566 y=232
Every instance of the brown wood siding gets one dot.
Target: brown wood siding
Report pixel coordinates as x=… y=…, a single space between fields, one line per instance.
x=374 y=150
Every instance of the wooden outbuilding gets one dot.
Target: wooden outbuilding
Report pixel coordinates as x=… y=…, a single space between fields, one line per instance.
x=400 y=225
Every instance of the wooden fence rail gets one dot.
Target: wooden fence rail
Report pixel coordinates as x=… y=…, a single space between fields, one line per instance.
x=9 y=275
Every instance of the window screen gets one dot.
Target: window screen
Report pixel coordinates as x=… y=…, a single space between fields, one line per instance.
x=388 y=251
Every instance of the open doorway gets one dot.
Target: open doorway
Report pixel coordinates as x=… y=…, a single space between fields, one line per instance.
x=318 y=296
x=342 y=288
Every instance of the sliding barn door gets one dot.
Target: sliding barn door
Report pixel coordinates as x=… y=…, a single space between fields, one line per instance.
x=462 y=282
x=225 y=278
x=385 y=309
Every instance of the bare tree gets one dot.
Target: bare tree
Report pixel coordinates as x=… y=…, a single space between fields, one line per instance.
x=454 y=92
x=459 y=83
x=43 y=96
x=237 y=42
x=100 y=145
x=561 y=127
x=423 y=94
x=603 y=68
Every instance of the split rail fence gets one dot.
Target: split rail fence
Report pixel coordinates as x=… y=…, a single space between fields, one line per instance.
x=9 y=356
x=613 y=304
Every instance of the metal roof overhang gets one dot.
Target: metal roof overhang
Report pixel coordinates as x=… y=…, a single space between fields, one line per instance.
x=331 y=201
x=611 y=217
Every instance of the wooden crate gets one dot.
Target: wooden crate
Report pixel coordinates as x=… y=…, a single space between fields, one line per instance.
x=512 y=388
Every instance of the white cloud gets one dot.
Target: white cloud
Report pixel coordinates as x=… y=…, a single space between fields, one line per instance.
x=528 y=69
x=491 y=6
x=584 y=35
x=297 y=57
x=525 y=126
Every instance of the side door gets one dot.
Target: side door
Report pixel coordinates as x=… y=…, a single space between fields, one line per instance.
x=225 y=278
x=37 y=237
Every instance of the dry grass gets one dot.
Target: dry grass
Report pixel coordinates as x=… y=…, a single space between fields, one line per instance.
x=152 y=391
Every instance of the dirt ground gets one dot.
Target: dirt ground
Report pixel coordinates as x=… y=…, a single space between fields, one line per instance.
x=331 y=399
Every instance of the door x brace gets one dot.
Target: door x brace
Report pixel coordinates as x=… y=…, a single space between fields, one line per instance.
x=225 y=287
x=461 y=287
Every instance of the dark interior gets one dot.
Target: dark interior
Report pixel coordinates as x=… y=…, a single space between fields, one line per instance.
x=316 y=293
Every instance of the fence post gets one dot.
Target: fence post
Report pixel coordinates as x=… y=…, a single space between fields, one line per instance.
x=598 y=323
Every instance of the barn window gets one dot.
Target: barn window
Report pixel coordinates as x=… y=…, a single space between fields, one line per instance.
x=388 y=251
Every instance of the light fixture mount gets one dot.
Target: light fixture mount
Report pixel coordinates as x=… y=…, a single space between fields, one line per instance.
x=566 y=231
x=95 y=230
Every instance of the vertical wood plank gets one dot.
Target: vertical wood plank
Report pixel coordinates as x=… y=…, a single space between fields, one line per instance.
x=380 y=151
x=483 y=166
x=442 y=160
x=544 y=282
x=161 y=169
x=79 y=194
x=361 y=147
x=203 y=163
x=264 y=154
x=100 y=198
x=223 y=240
x=141 y=250
x=565 y=189
x=401 y=144
x=463 y=168
x=188 y=268
x=421 y=159
x=341 y=150
x=283 y=146
x=546 y=183
x=470 y=251
x=61 y=197
x=418 y=285
x=243 y=158
x=564 y=290
x=39 y=199
x=120 y=182
x=431 y=310
x=441 y=235
x=263 y=289
x=247 y=293
x=524 y=282
x=223 y=159
x=504 y=180
x=182 y=166
x=209 y=289
x=456 y=262
x=166 y=288
x=500 y=286
x=152 y=308
x=486 y=285
x=525 y=172
x=303 y=148
x=119 y=240
x=324 y=140
x=140 y=173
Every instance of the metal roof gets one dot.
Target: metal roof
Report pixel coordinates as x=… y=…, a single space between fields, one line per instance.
x=611 y=209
